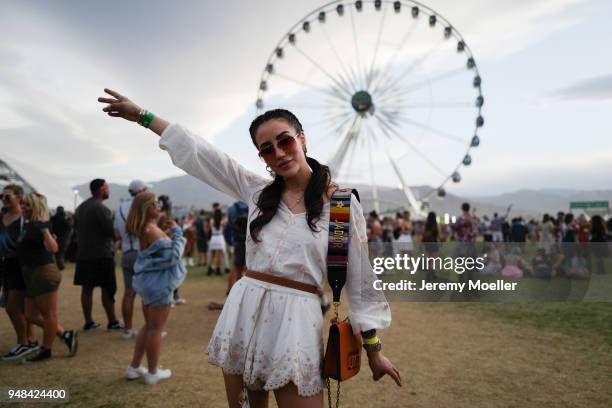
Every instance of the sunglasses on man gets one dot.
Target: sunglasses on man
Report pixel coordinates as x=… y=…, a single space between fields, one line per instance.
x=286 y=143
x=6 y=197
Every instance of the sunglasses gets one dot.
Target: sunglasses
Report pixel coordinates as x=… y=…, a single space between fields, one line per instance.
x=286 y=143
x=6 y=196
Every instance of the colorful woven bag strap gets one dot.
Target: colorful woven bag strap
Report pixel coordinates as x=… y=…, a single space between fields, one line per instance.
x=338 y=241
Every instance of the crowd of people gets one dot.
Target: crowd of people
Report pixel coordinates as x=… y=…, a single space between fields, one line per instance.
x=34 y=246
x=30 y=275
x=565 y=245
x=212 y=238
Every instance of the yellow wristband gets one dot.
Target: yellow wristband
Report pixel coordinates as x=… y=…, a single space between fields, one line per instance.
x=372 y=340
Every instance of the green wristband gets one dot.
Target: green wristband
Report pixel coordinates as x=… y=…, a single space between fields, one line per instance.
x=147 y=119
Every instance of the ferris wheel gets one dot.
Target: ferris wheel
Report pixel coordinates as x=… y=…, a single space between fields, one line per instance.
x=388 y=92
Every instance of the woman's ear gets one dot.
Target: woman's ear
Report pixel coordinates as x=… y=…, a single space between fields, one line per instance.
x=303 y=142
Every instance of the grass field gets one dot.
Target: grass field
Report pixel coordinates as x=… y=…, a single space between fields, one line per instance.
x=449 y=355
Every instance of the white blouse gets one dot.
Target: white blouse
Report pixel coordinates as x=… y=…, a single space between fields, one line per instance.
x=288 y=247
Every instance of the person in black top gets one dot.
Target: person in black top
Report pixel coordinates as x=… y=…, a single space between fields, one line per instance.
x=599 y=241
x=609 y=230
x=13 y=286
x=61 y=228
x=506 y=231
x=95 y=259
x=42 y=277
x=202 y=227
x=568 y=241
x=518 y=232
x=431 y=242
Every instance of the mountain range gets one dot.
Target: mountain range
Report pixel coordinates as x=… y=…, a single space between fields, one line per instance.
x=189 y=193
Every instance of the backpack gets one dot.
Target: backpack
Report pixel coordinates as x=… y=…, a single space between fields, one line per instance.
x=240 y=214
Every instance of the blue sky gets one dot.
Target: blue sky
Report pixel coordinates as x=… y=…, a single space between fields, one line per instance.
x=546 y=69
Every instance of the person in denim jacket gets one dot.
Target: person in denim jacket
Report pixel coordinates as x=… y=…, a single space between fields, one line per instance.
x=158 y=271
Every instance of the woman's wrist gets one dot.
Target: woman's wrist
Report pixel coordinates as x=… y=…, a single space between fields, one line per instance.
x=42 y=225
x=372 y=348
x=158 y=125
x=371 y=342
x=145 y=118
x=368 y=333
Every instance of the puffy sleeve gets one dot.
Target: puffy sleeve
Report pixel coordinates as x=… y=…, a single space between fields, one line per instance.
x=202 y=160
x=368 y=307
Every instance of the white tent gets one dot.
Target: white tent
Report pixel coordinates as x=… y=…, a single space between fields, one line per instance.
x=33 y=179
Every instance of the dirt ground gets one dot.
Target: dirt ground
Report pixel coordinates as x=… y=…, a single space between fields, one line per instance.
x=448 y=356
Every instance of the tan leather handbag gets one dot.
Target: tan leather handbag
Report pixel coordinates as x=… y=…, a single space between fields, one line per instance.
x=343 y=353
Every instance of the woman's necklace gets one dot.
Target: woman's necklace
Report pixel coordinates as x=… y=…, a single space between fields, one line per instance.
x=299 y=200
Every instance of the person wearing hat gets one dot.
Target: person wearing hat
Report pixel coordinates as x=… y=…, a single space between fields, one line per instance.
x=130 y=247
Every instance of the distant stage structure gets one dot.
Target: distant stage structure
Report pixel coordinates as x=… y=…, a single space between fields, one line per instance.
x=34 y=180
x=388 y=91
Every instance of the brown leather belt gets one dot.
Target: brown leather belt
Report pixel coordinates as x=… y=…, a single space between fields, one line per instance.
x=283 y=282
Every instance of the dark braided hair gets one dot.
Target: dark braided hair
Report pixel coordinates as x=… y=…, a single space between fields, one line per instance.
x=217 y=216
x=270 y=196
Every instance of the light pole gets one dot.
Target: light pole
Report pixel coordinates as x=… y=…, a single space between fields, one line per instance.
x=76 y=194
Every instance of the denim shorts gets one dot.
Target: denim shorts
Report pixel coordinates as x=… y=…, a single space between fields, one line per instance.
x=156 y=299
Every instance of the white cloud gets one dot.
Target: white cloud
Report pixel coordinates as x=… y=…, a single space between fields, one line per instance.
x=198 y=65
x=598 y=89
x=497 y=29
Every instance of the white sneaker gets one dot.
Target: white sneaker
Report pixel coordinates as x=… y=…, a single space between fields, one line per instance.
x=135 y=373
x=161 y=374
x=180 y=301
x=128 y=334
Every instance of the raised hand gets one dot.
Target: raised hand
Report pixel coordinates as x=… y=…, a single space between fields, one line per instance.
x=169 y=223
x=120 y=106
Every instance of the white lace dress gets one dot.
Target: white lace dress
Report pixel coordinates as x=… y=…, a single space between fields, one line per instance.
x=271 y=334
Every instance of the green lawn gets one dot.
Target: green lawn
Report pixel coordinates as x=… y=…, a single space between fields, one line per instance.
x=580 y=319
x=575 y=307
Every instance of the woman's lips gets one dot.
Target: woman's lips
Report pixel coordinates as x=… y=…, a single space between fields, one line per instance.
x=284 y=165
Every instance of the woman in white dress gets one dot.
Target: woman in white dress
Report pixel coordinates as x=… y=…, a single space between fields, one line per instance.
x=217 y=242
x=546 y=232
x=268 y=336
x=404 y=241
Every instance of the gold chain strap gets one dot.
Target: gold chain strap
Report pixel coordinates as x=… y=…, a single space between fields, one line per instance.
x=329 y=398
x=327 y=381
x=336 y=305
